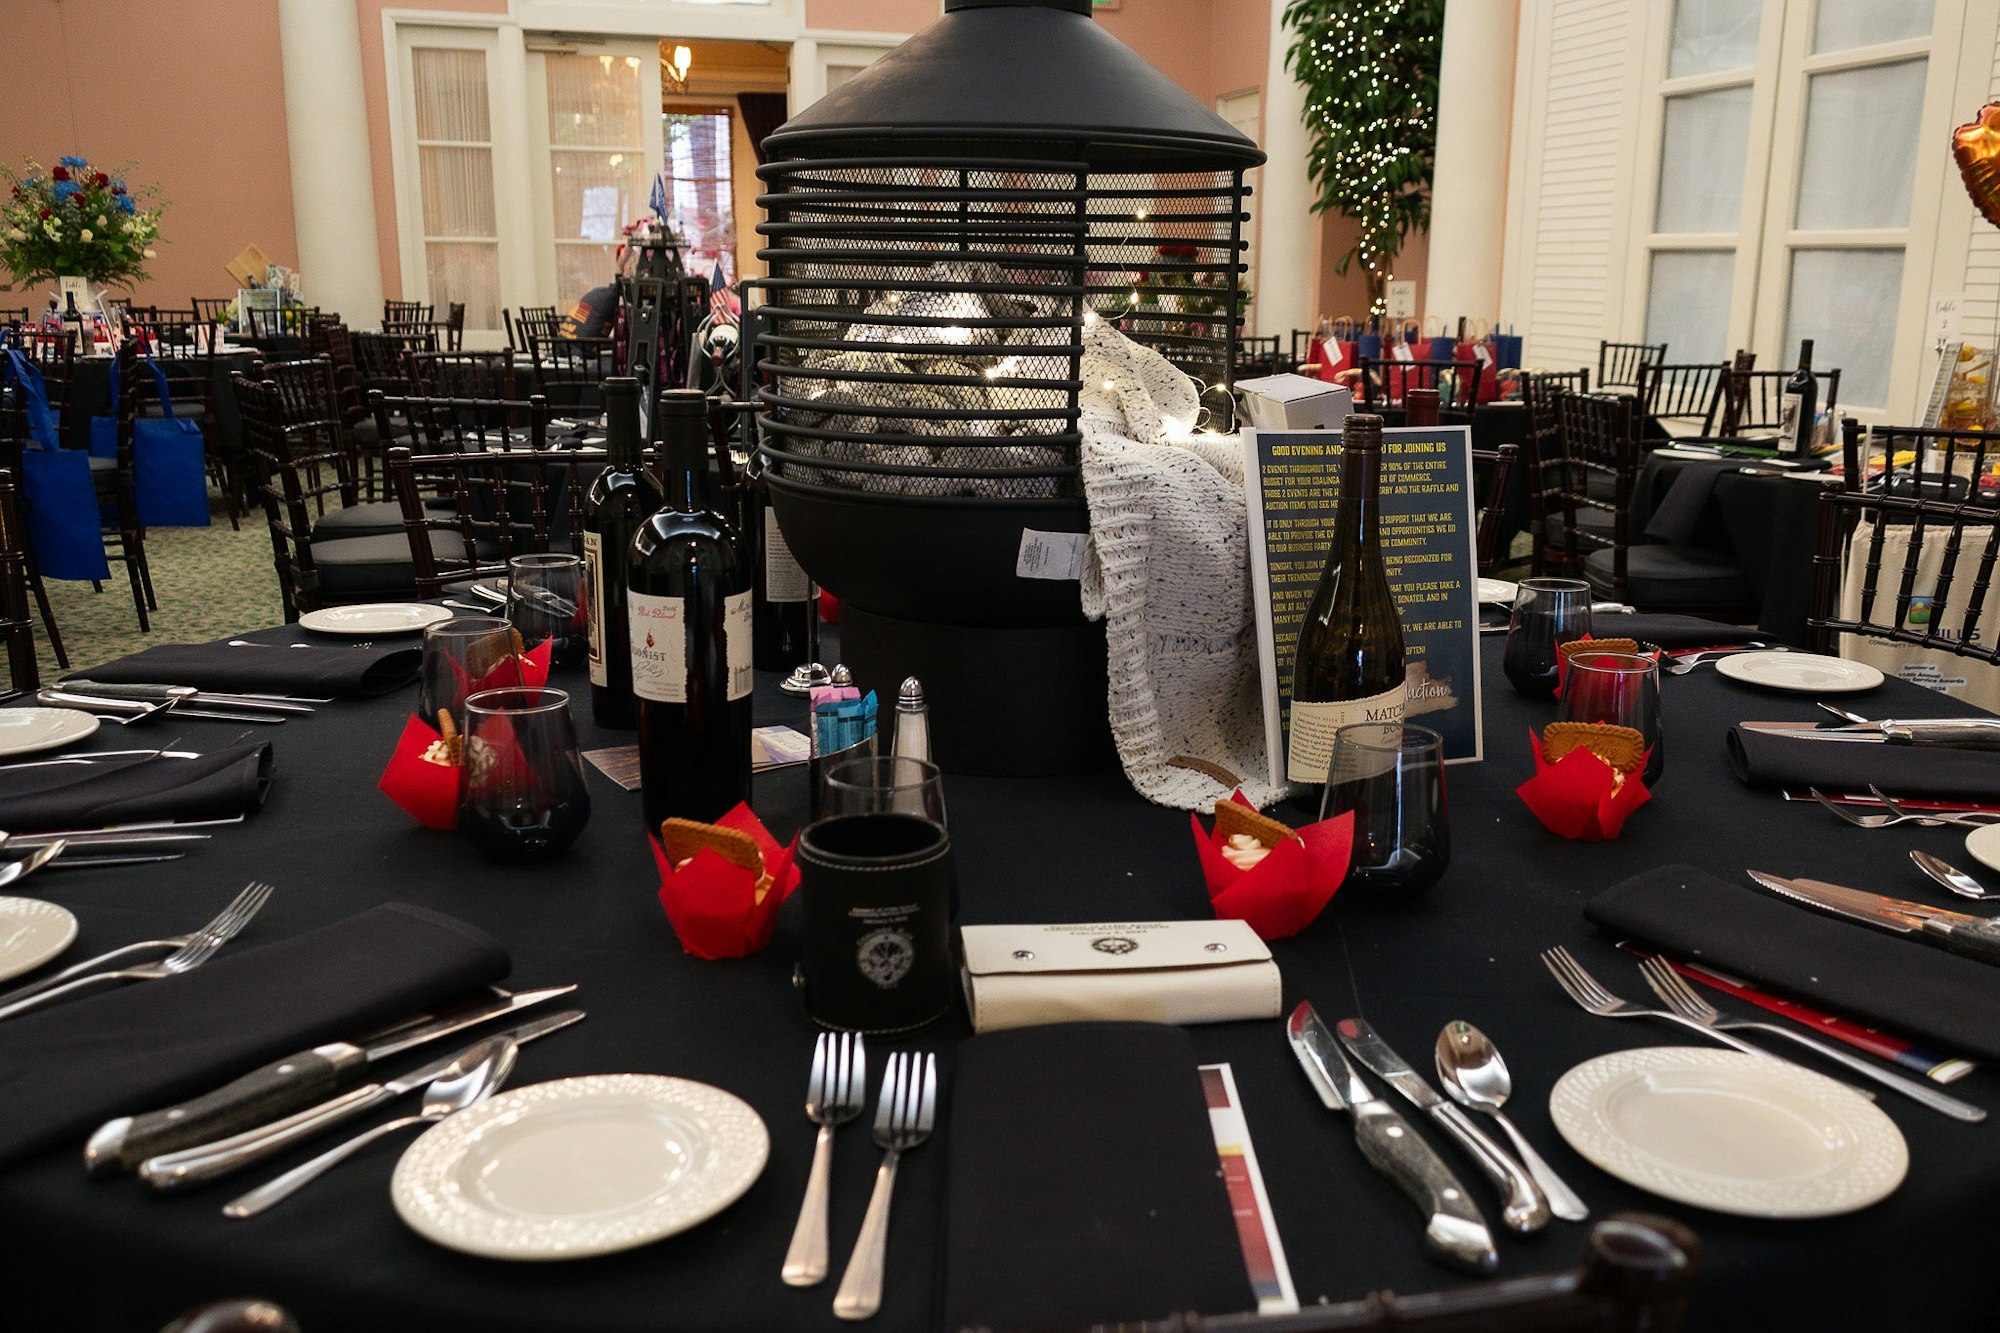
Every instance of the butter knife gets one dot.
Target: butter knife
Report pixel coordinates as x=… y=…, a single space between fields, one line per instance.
x=1945 y=734
x=1454 y=1231
x=1525 y=1208
x=212 y=1161
x=283 y=1085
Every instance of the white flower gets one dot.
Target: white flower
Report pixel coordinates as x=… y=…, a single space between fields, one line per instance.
x=85 y=235
x=152 y=254
x=101 y=221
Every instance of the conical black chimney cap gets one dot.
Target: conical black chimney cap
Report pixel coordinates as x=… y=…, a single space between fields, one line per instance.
x=1017 y=78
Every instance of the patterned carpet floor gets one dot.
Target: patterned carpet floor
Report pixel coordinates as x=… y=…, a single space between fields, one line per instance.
x=211 y=582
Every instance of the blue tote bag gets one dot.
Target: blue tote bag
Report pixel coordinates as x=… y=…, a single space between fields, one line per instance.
x=60 y=498
x=169 y=461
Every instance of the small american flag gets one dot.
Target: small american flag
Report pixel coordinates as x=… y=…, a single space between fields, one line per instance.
x=659 y=196
x=721 y=303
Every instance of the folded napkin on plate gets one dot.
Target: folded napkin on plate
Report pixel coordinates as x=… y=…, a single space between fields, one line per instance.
x=222 y=785
x=1083 y=1182
x=1843 y=966
x=317 y=672
x=67 y=1068
x=1670 y=631
x=1768 y=759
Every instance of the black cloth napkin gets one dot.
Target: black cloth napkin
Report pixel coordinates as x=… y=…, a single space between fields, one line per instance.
x=317 y=672
x=222 y=785
x=141 y=1045
x=1766 y=760
x=1669 y=631
x=1843 y=966
x=1678 y=515
x=1083 y=1182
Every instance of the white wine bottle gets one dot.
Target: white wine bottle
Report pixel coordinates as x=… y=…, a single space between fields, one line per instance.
x=1349 y=664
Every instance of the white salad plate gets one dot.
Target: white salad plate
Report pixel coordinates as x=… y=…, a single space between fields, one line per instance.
x=1984 y=844
x=580 y=1166
x=27 y=730
x=1497 y=592
x=375 y=618
x=1803 y=673
x=1737 y=1133
x=31 y=933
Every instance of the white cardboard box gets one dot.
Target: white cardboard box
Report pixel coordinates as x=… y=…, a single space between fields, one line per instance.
x=1295 y=402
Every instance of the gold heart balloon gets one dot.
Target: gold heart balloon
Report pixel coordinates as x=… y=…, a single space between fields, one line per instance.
x=1977 y=148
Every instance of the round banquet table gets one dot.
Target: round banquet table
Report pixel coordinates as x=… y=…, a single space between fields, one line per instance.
x=225 y=433
x=104 y=1254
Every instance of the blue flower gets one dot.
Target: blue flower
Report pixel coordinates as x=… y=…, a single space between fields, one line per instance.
x=124 y=202
x=64 y=189
x=74 y=161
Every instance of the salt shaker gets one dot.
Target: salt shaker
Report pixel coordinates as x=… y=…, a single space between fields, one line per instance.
x=913 y=722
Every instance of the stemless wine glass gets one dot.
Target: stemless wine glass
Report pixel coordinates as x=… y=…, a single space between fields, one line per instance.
x=890 y=784
x=1620 y=689
x=521 y=795
x=545 y=601
x=1546 y=612
x=1391 y=775
x=461 y=656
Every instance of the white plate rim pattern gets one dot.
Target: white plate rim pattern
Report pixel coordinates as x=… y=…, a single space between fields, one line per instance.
x=1880 y=1160
x=1490 y=593
x=33 y=909
x=393 y=618
x=1747 y=668
x=429 y=1204
x=66 y=725
x=1985 y=849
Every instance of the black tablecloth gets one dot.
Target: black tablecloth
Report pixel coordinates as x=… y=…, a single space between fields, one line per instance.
x=92 y=380
x=1769 y=524
x=104 y=1254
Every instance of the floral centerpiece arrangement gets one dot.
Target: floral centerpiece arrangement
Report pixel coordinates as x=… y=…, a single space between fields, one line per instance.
x=72 y=220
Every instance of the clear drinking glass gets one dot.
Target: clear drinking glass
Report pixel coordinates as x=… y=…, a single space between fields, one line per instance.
x=521 y=795
x=461 y=656
x=1620 y=689
x=545 y=601
x=1547 y=612
x=1391 y=775
x=884 y=785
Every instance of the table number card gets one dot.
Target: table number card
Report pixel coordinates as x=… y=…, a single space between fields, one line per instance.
x=1429 y=530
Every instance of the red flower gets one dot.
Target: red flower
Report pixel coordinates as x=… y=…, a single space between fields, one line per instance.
x=99 y=179
x=117 y=189
x=46 y=215
x=77 y=199
x=59 y=173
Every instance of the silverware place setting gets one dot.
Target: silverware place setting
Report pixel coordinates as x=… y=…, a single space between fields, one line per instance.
x=1949 y=875
x=836 y=1090
x=905 y=1112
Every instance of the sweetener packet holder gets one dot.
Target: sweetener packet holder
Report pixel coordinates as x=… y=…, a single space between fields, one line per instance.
x=1139 y=971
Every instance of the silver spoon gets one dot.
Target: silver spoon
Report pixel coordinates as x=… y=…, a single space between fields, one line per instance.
x=21 y=869
x=469 y=1080
x=1949 y=875
x=1475 y=1076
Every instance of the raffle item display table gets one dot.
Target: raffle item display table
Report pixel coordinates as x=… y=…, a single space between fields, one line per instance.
x=106 y=1254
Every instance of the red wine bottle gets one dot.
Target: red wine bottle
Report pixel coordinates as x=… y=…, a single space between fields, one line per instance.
x=1348 y=667
x=688 y=606
x=1799 y=407
x=622 y=497
x=784 y=604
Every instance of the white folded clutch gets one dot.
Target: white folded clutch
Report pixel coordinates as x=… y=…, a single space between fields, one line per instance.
x=1143 y=971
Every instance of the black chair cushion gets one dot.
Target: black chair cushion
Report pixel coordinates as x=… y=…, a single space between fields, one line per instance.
x=376 y=566
x=1599 y=523
x=374 y=519
x=365 y=433
x=1658 y=576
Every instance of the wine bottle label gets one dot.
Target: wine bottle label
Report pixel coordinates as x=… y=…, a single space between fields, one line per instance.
x=784 y=580
x=659 y=646
x=736 y=634
x=593 y=582
x=1313 y=725
x=1788 y=423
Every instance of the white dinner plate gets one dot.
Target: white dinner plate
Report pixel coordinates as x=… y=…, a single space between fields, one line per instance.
x=26 y=730
x=1984 y=844
x=375 y=618
x=1737 y=1133
x=31 y=933
x=580 y=1166
x=1803 y=673
x=1497 y=591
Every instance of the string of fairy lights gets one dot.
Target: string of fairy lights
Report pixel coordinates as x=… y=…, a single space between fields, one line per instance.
x=1369 y=69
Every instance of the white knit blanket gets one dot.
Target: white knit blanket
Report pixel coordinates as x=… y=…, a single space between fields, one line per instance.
x=1168 y=572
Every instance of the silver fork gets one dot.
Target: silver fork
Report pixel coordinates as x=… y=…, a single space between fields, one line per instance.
x=1902 y=815
x=195 y=950
x=1670 y=986
x=1932 y=817
x=904 y=1114
x=835 y=1092
x=1680 y=666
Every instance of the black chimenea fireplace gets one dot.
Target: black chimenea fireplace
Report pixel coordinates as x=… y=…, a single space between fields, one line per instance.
x=939 y=230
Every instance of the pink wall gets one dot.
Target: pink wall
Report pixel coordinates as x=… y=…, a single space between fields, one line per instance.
x=136 y=74
x=872 y=15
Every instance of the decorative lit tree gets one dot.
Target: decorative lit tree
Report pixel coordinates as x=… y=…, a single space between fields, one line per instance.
x=1370 y=71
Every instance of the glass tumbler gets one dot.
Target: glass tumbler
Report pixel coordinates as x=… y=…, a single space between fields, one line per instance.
x=884 y=785
x=1391 y=775
x=545 y=601
x=1620 y=689
x=461 y=656
x=521 y=795
x=1547 y=612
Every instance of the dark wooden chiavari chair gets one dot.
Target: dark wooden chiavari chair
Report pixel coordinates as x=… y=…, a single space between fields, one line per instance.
x=407 y=312
x=570 y=372
x=13 y=438
x=1386 y=381
x=117 y=480
x=1753 y=401
x=212 y=309
x=540 y=320
x=1619 y=364
x=17 y=624
x=292 y=321
x=13 y=316
x=454 y=326
x=1542 y=455
x=1687 y=395
x=460 y=374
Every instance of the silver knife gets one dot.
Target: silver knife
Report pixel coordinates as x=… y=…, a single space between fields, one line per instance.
x=281 y=1086
x=1525 y=1209
x=1972 y=936
x=212 y=1161
x=1956 y=735
x=1454 y=1231
x=176 y=695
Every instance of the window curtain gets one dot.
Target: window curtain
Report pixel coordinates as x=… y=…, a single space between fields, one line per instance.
x=762 y=113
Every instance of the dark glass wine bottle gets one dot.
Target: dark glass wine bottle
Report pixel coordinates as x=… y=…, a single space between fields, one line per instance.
x=1799 y=410
x=1349 y=664
x=622 y=497
x=689 y=611
x=783 y=607
x=1420 y=407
